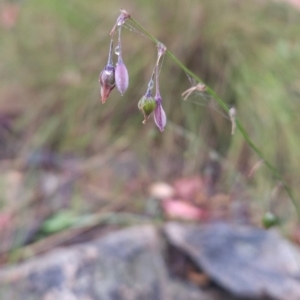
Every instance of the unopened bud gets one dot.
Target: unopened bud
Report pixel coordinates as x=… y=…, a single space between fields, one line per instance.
x=122 y=78
x=147 y=105
x=121 y=74
x=160 y=117
x=107 y=81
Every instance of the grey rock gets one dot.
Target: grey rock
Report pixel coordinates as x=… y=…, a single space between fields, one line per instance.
x=249 y=262
x=124 y=265
x=130 y=264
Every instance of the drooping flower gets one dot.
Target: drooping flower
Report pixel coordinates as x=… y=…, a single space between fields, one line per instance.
x=160 y=117
x=121 y=73
x=107 y=77
x=147 y=105
x=107 y=82
x=122 y=78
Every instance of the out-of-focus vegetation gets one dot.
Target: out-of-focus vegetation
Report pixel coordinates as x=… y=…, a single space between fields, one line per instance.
x=247 y=51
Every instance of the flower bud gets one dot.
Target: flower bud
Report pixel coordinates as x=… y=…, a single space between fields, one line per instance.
x=147 y=105
x=121 y=75
x=107 y=81
x=160 y=117
x=107 y=76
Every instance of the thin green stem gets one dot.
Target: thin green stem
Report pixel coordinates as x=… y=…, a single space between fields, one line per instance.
x=242 y=130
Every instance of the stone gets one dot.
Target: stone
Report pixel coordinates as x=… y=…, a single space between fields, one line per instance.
x=248 y=262
x=124 y=265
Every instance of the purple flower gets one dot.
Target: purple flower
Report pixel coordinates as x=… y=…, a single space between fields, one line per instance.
x=107 y=82
x=160 y=117
x=107 y=77
x=121 y=75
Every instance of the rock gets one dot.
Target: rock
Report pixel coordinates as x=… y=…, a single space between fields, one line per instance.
x=248 y=262
x=130 y=264
x=124 y=265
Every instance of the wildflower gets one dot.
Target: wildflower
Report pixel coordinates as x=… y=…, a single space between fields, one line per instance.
x=160 y=117
x=147 y=105
x=122 y=78
x=121 y=73
x=107 y=77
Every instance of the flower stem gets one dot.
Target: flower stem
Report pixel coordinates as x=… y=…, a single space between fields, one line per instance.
x=242 y=130
x=110 y=59
x=119 y=41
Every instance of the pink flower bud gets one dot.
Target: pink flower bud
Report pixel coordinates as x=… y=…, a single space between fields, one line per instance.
x=122 y=78
x=160 y=117
x=107 y=76
x=107 y=82
x=121 y=75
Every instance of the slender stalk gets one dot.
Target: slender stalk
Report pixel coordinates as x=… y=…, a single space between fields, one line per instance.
x=119 y=41
x=157 y=93
x=242 y=130
x=110 y=56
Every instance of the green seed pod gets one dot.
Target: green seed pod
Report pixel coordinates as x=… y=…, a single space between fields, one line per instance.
x=269 y=220
x=147 y=105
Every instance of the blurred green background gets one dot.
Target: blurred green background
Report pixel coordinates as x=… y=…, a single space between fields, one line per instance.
x=52 y=52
